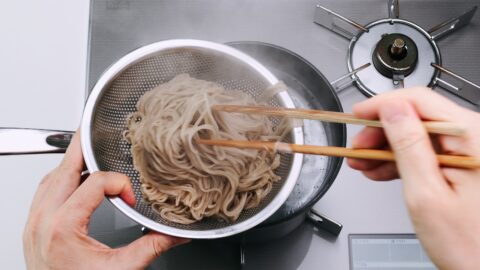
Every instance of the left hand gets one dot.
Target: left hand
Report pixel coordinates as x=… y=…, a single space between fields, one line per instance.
x=56 y=234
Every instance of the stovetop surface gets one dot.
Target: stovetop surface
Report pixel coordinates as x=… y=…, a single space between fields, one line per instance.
x=120 y=26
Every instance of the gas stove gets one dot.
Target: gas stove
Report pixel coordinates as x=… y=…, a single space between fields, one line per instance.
x=403 y=54
x=364 y=48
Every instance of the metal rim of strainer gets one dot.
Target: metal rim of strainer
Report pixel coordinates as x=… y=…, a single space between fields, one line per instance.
x=154 y=49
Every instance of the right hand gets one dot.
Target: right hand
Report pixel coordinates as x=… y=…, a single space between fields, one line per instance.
x=444 y=203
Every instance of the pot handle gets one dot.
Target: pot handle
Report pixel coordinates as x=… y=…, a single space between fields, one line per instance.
x=19 y=141
x=324 y=223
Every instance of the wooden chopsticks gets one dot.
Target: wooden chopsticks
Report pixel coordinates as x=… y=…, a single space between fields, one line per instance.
x=435 y=127
x=463 y=162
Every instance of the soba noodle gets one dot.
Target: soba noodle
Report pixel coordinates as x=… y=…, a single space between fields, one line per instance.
x=185 y=181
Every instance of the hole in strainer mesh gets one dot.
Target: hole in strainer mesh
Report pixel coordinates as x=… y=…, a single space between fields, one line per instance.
x=112 y=152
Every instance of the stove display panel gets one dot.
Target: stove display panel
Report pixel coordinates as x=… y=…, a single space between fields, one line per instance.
x=387 y=251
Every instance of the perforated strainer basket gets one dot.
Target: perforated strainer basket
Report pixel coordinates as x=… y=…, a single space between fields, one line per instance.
x=116 y=93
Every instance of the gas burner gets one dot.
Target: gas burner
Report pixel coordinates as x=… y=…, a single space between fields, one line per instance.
x=401 y=53
x=395 y=53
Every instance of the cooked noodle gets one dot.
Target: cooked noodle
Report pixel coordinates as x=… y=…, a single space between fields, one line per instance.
x=185 y=181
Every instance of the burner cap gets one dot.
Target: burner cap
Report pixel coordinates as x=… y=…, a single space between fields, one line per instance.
x=395 y=54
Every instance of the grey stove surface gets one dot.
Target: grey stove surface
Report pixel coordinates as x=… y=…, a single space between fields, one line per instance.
x=363 y=207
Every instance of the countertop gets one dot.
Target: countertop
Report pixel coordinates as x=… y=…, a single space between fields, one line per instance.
x=43 y=64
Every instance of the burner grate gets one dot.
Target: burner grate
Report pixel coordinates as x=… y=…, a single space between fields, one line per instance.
x=394 y=53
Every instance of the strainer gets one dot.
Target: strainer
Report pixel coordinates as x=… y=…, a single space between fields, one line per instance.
x=116 y=93
x=114 y=97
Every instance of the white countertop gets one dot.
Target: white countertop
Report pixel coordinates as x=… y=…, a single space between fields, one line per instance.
x=42 y=72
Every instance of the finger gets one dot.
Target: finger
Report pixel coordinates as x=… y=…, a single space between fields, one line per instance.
x=468 y=144
x=140 y=253
x=42 y=188
x=453 y=146
x=73 y=159
x=459 y=145
x=64 y=180
x=384 y=172
x=415 y=158
x=45 y=184
x=91 y=193
x=364 y=164
x=437 y=107
x=370 y=137
x=463 y=180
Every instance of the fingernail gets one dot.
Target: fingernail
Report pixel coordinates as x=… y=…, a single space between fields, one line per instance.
x=394 y=112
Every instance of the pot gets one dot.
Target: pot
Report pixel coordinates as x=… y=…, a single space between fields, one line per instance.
x=308 y=89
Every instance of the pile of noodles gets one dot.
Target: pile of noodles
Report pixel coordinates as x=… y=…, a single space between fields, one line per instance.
x=184 y=181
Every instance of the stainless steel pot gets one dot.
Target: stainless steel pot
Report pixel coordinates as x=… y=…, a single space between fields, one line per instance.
x=308 y=89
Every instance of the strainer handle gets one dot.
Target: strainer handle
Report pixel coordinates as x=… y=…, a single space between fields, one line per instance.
x=20 y=141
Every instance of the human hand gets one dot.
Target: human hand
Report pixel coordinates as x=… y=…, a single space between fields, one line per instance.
x=56 y=233
x=443 y=203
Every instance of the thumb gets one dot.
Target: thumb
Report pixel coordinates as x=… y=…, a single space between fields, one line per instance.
x=141 y=252
x=415 y=157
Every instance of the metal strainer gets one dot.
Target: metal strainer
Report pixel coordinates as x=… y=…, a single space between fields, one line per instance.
x=116 y=93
